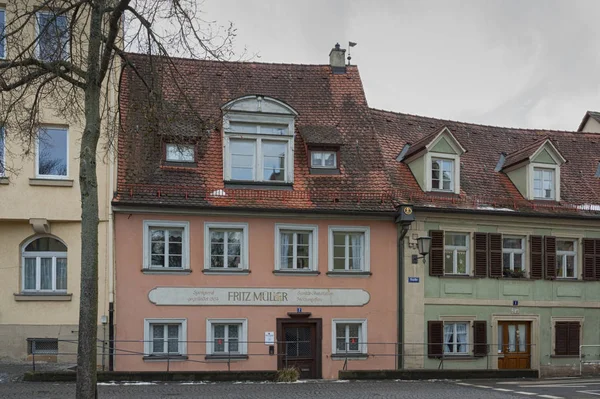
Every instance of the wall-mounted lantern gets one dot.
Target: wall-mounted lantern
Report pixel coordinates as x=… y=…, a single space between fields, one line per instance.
x=424 y=246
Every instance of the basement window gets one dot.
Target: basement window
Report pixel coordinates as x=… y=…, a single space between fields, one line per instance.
x=42 y=346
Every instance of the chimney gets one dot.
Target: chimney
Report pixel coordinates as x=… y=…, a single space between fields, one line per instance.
x=337 y=59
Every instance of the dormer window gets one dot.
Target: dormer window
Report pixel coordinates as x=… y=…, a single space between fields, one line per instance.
x=435 y=161
x=442 y=174
x=323 y=159
x=180 y=153
x=543 y=183
x=258 y=141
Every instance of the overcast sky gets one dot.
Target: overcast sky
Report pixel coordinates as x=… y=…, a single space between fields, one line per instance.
x=517 y=63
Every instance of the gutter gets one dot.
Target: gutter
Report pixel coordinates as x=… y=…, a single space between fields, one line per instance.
x=505 y=213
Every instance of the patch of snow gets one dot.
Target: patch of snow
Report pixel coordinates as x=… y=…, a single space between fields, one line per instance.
x=491 y=208
x=127 y=383
x=589 y=207
x=341 y=381
x=219 y=193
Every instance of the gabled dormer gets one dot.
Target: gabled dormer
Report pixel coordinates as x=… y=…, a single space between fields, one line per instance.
x=435 y=161
x=535 y=170
x=258 y=140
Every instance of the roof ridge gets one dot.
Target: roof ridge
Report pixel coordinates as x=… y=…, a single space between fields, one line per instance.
x=530 y=130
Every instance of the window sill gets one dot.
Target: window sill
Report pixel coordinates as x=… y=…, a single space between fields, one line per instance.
x=266 y=185
x=324 y=171
x=242 y=272
x=226 y=358
x=461 y=357
x=166 y=271
x=165 y=358
x=3 y=180
x=51 y=182
x=179 y=165
x=348 y=274
x=349 y=356
x=461 y=276
x=564 y=356
x=42 y=296
x=296 y=272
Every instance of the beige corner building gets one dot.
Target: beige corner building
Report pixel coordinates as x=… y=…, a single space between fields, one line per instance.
x=40 y=235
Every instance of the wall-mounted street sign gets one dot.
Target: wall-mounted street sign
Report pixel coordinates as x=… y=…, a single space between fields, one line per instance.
x=269 y=337
x=258 y=296
x=515 y=303
x=413 y=279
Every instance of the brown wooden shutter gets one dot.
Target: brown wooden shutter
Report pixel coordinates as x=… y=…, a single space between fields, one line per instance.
x=480 y=347
x=435 y=338
x=536 y=261
x=573 y=342
x=597 y=259
x=589 y=258
x=436 y=253
x=561 y=338
x=495 y=254
x=481 y=254
x=550 y=257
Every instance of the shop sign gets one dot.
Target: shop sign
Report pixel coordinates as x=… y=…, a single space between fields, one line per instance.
x=258 y=296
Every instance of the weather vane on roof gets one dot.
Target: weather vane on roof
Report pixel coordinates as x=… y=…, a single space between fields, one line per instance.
x=350 y=44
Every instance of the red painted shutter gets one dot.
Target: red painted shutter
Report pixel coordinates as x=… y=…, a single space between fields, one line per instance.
x=435 y=338
x=536 y=261
x=436 y=253
x=573 y=343
x=481 y=254
x=495 y=254
x=561 y=338
x=589 y=259
x=480 y=347
x=550 y=257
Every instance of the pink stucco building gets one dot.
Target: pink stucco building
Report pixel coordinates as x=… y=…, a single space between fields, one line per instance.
x=253 y=225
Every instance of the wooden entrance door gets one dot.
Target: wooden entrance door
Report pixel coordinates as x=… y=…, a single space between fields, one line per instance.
x=514 y=344
x=300 y=346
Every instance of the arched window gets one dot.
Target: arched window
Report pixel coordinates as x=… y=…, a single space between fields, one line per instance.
x=45 y=265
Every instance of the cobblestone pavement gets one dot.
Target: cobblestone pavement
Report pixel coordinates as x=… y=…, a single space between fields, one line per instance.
x=330 y=390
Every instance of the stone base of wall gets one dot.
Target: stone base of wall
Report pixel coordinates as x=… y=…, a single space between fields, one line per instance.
x=571 y=370
x=426 y=374
x=68 y=376
x=13 y=343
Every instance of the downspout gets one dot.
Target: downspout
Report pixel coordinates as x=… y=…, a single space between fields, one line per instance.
x=403 y=219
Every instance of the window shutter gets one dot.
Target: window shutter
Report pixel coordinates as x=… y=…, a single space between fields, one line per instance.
x=536 y=261
x=550 y=257
x=597 y=259
x=481 y=254
x=480 y=347
x=590 y=259
x=561 y=337
x=435 y=338
x=495 y=254
x=436 y=253
x=573 y=343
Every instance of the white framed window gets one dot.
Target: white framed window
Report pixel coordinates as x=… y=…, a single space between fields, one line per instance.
x=2 y=38
x=52 y=159
x=323 y=159
x=180 y=152
x=296 y=247
x=44 y=265
x=456 y=338
x=349 y=336
x=258 y=159
x=544 y=183
x=225 y=246
x=165 y=337
x=2 y=153
x=513 y=255
x=52 y=32
x=442 y=174
x=227 y=337
x=456 y=253
x=566 y=258
x=349 y=249
x=166 y=245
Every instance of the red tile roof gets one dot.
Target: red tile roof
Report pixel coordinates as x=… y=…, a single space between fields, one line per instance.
x=481 y=186
x=524 y=153
x=332 y=109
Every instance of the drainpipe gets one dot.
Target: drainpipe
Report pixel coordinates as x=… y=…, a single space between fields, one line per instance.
x=404 y=219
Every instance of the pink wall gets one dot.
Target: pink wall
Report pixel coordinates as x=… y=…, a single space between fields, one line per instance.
x=132 y=287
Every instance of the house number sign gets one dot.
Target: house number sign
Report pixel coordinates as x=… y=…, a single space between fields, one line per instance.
x=258 y=296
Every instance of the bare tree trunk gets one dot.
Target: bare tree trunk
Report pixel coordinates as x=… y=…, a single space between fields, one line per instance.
x=88 y=305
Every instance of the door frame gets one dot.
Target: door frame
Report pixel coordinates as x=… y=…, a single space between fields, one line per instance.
x=506 y=341
x=534 y=361
x=318 y=323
